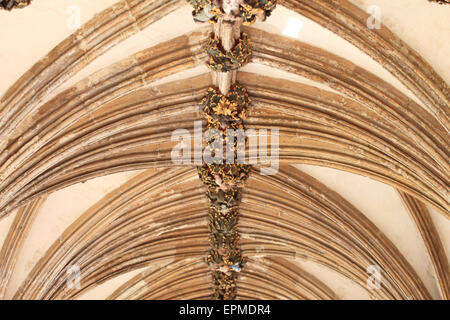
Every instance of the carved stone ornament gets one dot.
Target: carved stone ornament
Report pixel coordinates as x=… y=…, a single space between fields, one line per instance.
x=441 y=1
x=14 y=4
x=224 y=183
x=225 y=61
x=248 y=10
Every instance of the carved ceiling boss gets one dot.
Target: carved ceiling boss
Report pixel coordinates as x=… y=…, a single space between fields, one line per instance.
x=14 y=4
x=224 y=108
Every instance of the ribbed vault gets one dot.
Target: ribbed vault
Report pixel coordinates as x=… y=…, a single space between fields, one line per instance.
x=119 y=130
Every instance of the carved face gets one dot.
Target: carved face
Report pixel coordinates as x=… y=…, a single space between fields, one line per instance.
x=230 y=6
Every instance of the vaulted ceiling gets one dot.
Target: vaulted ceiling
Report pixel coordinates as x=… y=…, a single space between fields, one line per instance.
x=87 y=180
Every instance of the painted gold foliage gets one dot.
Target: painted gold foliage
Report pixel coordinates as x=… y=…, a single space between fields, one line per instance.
x=14 y=4
x=225 y=285
x=249 y=10
x=224 y=183
x=224 y=61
